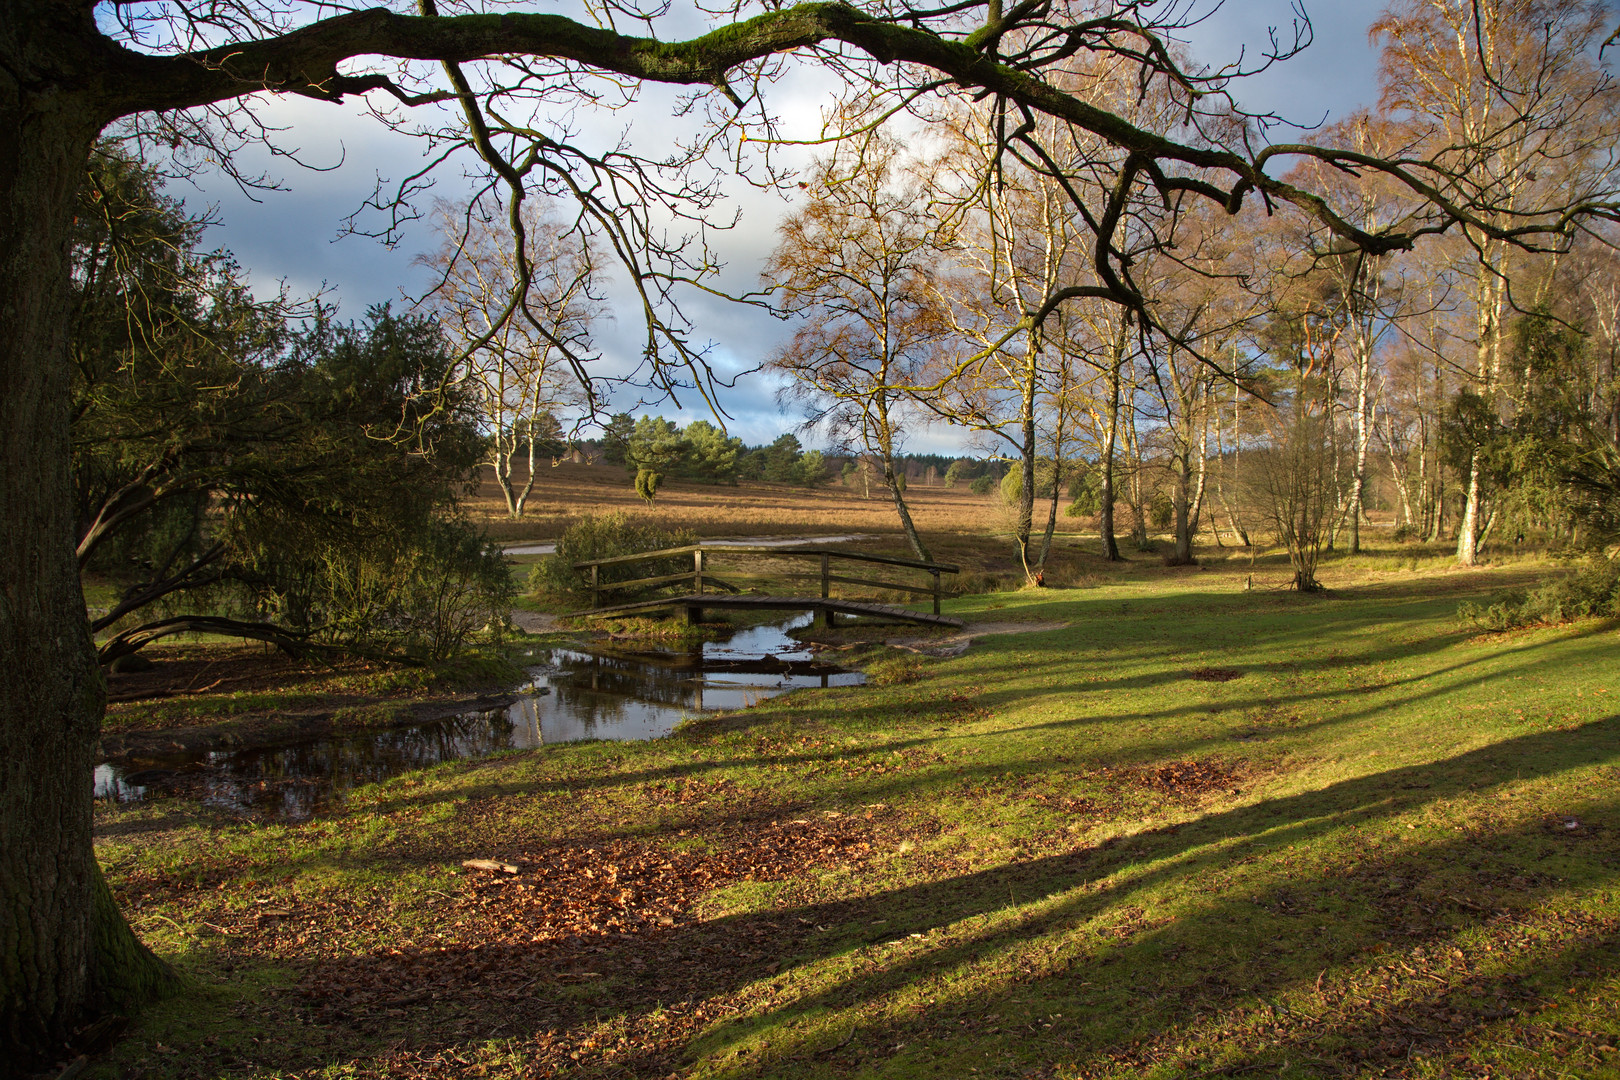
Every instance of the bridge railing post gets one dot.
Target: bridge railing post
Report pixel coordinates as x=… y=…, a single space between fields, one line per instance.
x=697 y=571
x=596 y=595
x=935 y=574
x=826 y=590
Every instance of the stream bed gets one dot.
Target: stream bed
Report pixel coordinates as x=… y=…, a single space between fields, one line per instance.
x=601 y=691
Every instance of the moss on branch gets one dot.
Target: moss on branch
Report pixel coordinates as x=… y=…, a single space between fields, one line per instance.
x=306 y=61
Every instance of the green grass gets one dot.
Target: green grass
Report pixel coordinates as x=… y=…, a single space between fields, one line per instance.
x=1202 y=831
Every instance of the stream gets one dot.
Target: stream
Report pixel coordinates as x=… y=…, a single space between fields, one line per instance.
x=605 y=691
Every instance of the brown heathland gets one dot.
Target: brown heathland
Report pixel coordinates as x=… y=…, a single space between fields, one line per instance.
x=565 y=493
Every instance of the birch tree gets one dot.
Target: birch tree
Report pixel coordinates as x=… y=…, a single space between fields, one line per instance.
x=524 y=101
x=857 y=263
x=516 y=366
x=1515 y=114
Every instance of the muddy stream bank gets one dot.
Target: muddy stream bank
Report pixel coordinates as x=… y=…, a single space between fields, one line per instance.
x=589 y=691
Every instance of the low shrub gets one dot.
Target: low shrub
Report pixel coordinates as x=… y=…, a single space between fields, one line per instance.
x=974 y=582
x=426 y=592
x=1593 y=589
x=453 y=585
x=605 y=537
x=1160 y=510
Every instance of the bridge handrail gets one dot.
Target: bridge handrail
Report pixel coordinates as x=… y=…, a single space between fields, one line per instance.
x=825 y=554
x=737 y=549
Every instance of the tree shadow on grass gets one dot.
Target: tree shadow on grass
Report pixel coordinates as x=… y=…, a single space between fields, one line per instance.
x=936 y=708
x=1173 y=946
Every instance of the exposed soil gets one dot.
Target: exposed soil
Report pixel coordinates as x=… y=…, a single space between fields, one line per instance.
x=534 y=622
x=1214 y=674
x=222 y=669
x=952 y=645
x=197 y=698
x=277 y=727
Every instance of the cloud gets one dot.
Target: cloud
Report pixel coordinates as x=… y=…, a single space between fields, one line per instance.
x=1334 y=75
x=293 y=235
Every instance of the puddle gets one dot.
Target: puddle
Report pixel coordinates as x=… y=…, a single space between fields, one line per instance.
x=604 y=692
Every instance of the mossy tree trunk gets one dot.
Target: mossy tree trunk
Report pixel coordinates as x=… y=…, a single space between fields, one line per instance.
x=64 y=949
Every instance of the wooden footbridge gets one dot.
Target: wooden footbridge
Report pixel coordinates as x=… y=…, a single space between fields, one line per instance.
x=706 y=591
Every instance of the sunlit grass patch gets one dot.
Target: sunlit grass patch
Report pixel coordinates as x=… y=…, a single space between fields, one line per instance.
x=1375 y=845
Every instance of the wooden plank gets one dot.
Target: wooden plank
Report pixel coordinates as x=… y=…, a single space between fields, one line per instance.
x=647 y=582
x=777 y=603
x=618 y=559
x=722 y=549
x=915 y=590
x=858 y=556
x=813 y=576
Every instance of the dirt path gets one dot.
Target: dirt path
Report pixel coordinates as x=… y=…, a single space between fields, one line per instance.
x=533 y=622
x=957 y=644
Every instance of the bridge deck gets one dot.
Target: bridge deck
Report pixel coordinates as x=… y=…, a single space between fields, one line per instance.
x=774 y=603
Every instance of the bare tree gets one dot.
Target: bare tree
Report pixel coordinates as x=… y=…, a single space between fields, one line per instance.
x=516 y=364
x=857 y=264
x=178 y=77
x=1204 y=299
x=1110 y=327
x=1012 y=382
x=1363 y=294
x=1291 y=476
x=1508 y=100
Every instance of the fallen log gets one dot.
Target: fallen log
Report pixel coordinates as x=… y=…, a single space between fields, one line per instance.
x=491 y=865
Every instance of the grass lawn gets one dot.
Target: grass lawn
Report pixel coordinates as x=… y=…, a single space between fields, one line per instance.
x=1197 y=831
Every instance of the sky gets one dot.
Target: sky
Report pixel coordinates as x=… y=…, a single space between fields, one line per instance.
x=295 y=235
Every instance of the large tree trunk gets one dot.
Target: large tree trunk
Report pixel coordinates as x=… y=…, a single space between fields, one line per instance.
x=1051 y=521
x=528 y=485
x=907 y=526
x=1182 y=502
x=64 y=949
x=1488 y=317
x=1024 y=527
x=1105 y=515
x=1468 y=531
x=891 y=480
x=502 y=464
x=1363 y=437
x=1201 y=486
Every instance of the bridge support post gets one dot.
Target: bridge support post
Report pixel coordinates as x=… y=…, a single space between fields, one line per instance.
x=694 y=614
x=827 y=616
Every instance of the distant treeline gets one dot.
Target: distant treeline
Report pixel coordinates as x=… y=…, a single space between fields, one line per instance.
x=652 y=449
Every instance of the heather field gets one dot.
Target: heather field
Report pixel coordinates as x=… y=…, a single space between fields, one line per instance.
x=563 y=493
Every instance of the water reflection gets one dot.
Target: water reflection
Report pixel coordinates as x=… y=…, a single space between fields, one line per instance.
x=611 y=692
